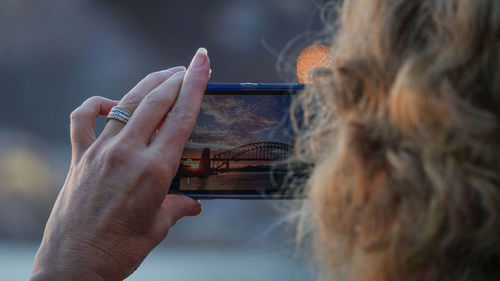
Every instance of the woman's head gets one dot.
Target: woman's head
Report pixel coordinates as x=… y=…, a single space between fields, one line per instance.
x=404 y=133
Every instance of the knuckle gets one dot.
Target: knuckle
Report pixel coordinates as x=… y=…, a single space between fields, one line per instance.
x=118 y=153
x=156 y=171
x=92 y=153
x=131 y=99
x=157 y=99
x=178 y=75
x=181 y=115
x=156 y=76
x=83 y=110
x=94 y=99
x=194 y=83
x=76 y=114
x=155 y=167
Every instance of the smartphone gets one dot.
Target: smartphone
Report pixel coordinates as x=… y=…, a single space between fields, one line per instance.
x=241 y=143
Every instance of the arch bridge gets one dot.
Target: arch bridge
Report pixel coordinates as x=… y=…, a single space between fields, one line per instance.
x=258 y=151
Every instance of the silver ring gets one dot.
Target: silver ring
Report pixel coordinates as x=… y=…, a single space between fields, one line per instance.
x=119 y=113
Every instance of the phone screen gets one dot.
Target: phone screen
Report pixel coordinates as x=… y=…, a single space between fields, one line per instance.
x=240 y=143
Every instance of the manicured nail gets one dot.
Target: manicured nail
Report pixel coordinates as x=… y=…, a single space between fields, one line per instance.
x=175 y=69
x=200 y=58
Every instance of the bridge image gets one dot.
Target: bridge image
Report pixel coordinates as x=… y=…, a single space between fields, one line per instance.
x=257 y=151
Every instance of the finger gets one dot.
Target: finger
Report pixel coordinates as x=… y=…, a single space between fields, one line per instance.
x=83 y=122
x=152 y=110
x=175 y=207
x=134 y=97
x=180 y=121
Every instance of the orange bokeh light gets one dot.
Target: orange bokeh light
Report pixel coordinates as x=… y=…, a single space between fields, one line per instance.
x=313 y=56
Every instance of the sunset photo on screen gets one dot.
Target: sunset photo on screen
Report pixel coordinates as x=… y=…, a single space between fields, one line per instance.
x=238 y=143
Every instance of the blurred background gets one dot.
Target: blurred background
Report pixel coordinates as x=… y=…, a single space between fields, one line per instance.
x=56 y=53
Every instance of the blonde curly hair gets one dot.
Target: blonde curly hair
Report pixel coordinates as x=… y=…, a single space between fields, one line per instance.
x=404 y=135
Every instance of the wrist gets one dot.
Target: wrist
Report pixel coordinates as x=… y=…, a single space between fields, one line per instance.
x=52 y=263
x=79 y=263
x=53 y=274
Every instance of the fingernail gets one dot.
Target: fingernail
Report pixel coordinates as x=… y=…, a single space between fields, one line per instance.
x=199 y=201
x=175 y=69
x=210 y=73
x=179 y=68
x=200 y=58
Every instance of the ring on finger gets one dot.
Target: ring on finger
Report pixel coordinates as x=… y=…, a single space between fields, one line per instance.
x=119 y=113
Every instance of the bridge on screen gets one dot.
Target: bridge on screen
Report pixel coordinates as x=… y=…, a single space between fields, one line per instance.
x=219 y=162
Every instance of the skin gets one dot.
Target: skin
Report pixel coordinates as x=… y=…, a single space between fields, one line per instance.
x=113 y=208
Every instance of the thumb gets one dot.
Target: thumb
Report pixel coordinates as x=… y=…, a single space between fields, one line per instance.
x=175 y=207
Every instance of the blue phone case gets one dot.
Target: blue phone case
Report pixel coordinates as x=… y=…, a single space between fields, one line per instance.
x=248 y=87
x=236 y=89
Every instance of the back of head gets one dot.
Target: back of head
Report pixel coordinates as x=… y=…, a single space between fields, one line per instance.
x=404 y=133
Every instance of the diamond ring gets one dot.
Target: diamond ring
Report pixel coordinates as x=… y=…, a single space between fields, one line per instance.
x=119 y=113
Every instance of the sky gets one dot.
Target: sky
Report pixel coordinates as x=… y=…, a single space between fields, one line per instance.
x=229 y=121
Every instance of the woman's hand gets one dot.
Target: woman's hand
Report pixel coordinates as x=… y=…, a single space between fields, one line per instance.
x=113 y=208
